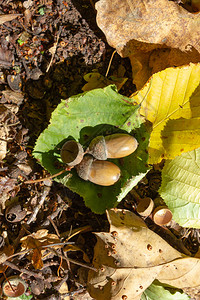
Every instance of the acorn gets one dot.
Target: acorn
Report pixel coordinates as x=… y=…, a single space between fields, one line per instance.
x=72 y=153
x=100 y=172
x=112 y=146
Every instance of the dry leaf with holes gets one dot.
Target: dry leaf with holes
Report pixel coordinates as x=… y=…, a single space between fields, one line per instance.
x=36 y=242
x=131 y=256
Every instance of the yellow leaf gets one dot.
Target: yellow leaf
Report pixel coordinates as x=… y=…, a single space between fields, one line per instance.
x=174 y=111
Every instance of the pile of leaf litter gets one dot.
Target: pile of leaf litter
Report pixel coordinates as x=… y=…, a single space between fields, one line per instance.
x=54 y=50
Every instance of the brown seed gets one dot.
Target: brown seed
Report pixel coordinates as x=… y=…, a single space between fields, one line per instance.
x=113 y=146
x=99 y=172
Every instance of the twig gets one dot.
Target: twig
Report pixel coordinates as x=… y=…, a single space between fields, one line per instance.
x=108 y=69
x=46 y=178
x=37 y=208
x=73 y=260
x=14 y=267
x=54 y=226
x=52 y=50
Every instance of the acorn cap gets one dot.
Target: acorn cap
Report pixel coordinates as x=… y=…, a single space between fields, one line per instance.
x=162 y=215
x=83 y=169
x=97 y=148
x=14 y=286
x=145 y=207
x=72 y=153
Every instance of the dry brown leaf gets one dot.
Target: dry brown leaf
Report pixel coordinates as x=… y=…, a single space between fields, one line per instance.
x=36 y=242
x=131 y=256
x=7 y=186
x=8 y=17
x=4 y=254
x=140 y=29
x=145 y=64
x=149 y=24
x=128 y=258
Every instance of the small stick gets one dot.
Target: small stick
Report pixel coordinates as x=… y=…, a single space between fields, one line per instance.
x=37 y=208
x=108 y=69
x=48 y=177
x=14 y=267
x=73 y=260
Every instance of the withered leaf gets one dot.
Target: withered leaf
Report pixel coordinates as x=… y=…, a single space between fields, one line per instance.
x=8 y=17
x=131 y=256
x=147 y=25
x=36 y=242
x=154 y=34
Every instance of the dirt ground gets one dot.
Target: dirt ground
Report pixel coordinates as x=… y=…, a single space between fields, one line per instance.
x=44 y=53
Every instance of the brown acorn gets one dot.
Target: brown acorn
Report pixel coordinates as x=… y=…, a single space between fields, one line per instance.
x=97 y=171
x=112 y=146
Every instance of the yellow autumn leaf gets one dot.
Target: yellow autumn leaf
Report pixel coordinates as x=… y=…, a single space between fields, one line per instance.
x=170 y=101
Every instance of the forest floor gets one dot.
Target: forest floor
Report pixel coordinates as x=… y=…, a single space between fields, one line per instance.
x=44 y=53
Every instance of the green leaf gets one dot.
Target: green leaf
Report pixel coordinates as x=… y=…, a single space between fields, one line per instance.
x=157 y=291
x=83 y=117
x=180 y=188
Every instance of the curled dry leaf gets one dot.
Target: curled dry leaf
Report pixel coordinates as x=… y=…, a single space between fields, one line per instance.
x=131 y=256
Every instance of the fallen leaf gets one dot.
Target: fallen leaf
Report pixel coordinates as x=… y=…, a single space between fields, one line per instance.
x=170 y=101
x=8 y=17
x=6 y=186
x=181 y=273
x=13 y=97
x=154 y=34
x=36 y=242
x=6 y=57
x=145 y=64
x=157 y=291
x=64 y=290
x=6 y=251
x=180 y=188
x=128 y=258
x=147 y=25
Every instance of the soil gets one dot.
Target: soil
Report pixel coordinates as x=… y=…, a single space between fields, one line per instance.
x=44 y=53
